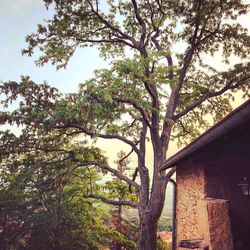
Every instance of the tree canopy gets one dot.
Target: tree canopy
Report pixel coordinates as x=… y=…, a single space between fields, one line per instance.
x=158 y=86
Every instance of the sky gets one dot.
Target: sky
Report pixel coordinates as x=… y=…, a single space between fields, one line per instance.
x=18 y=18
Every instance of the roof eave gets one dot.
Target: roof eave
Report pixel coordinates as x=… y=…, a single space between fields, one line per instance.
x=231 y=121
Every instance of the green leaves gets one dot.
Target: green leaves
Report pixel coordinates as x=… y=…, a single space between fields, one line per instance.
x=164 y=44
x=44 y=195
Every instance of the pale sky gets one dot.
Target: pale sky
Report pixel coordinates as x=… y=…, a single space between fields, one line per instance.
x=19 y=18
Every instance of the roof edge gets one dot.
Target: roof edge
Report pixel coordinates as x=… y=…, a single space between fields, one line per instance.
x=231 y=121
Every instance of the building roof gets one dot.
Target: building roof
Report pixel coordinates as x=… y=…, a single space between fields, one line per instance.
x=233 y=120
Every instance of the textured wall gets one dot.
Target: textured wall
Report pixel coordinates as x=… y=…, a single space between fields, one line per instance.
x=206 y=181
x=219 y=225
x=201 y=221
x=190 y=189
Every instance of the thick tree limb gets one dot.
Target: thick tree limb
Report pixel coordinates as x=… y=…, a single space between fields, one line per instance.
x=142 y=144
x=136 y=106
x=105 y=167
x=174 y=97
x=152 y=90
x=114 y=202
x=208 y=95
x=186 y=63
x=195 y=41
x=142 y=169
x=104 y=136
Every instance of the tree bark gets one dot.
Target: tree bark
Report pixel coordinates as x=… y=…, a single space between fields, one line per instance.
x=149 y=217
x=3 y=245
x=148 y=233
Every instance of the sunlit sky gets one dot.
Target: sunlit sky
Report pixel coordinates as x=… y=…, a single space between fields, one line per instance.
x=19 y=18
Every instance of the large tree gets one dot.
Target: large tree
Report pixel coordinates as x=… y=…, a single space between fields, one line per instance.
x=158 y=84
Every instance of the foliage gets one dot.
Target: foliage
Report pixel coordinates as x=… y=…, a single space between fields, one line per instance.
x=118 y=190
x=158 y=85
x=46 y=206
x=160 y=244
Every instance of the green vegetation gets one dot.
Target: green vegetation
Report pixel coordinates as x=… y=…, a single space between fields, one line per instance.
x=161 y=245
x=158 y=87
x=44 y=205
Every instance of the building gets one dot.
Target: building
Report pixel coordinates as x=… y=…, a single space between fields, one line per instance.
x=211 y=210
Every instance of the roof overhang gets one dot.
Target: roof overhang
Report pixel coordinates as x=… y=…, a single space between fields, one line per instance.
x=236 y=118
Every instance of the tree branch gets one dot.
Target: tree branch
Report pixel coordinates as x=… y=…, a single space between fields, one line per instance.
x=208 y=95
x=152 y=90
x=114 y=202
x=113 y=171
x=140 y=21
x=103 y=166
x=116 y=40
x=127 y=155
x=136 y=106
x=112 y=27
x=174 y=97
x=168 y=57
x=142 y=169
x=104 y=136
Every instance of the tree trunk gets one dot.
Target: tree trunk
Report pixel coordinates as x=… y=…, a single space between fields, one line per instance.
x=148 y=234
x=3 y=245
x=149 y=217
x=150 y=214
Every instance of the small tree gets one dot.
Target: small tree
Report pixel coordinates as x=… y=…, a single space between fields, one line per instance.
x=161 y=88
x=44 y=205
x=120 y=191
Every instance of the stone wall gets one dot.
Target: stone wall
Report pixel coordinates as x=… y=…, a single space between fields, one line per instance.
x=209 y=200
x=219 y=232
x=190 y=189
x=202 y=222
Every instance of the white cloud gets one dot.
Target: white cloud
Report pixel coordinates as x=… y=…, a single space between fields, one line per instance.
x=20 y=4
x=16 y=7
